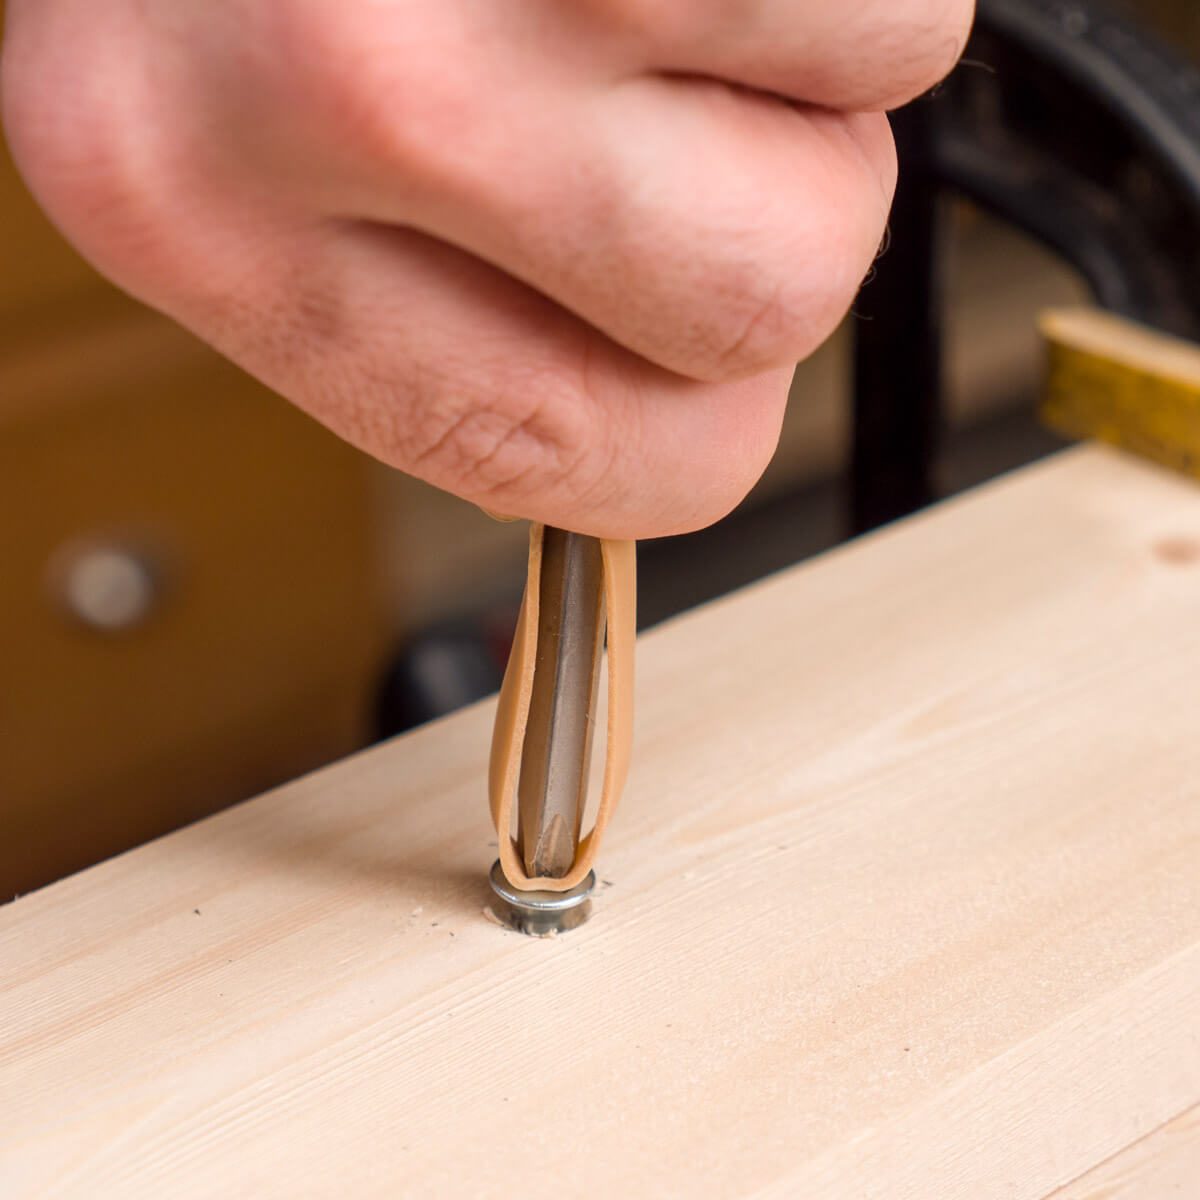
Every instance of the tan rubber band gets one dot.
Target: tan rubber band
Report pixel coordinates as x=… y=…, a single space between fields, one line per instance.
x=512 y=713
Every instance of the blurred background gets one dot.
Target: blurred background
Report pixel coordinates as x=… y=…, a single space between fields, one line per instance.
x=204 y=594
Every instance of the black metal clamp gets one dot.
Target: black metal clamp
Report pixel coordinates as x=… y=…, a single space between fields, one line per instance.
x=1076 y=126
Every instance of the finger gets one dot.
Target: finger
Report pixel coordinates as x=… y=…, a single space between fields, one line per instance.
x=712 y=231
x=867 y=55
x=443 y=367
x=424 y=356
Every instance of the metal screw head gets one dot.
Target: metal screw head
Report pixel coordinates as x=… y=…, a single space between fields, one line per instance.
x=540 y=914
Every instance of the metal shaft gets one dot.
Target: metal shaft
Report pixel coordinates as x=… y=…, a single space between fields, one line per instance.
x=552 y=789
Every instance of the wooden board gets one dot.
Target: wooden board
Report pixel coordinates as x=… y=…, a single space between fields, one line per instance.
x=904 y=902
x=1163 y=1166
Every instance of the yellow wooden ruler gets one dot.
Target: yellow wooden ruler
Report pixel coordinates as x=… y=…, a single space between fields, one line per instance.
x=1123 y=383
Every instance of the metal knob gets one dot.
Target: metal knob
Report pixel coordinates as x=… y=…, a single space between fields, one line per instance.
x=108 y=588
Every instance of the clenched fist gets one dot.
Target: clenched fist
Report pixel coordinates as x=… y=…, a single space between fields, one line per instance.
x=555 y=256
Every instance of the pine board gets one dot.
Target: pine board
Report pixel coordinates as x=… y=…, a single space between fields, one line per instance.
x=1165 y=1165
x=903 y=902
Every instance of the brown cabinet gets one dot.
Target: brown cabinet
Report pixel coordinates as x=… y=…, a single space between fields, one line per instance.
x=188 y=579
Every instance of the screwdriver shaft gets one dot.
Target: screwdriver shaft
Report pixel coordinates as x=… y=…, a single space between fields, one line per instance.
x=552 y=789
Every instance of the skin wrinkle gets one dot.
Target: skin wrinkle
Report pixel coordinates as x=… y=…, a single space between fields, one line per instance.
x=436 y=449
x=476 y=472
x=505 y=488
x=456 y=451
x=770 y=314
x=396 y=433
x=555 y=459
x=546 y=440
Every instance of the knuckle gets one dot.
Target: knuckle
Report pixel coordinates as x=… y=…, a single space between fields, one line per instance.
x=496 y=450
x=356 y=81
x=96 y=171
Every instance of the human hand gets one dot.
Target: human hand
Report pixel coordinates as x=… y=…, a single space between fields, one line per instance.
x=555 y=256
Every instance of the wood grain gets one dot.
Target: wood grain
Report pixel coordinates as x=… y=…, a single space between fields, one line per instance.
x=904 y=903
x=1163 y=1166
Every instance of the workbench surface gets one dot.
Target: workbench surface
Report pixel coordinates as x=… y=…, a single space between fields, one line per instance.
x=903 y=901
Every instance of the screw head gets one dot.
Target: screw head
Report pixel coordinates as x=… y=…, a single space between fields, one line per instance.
x=540 y=913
